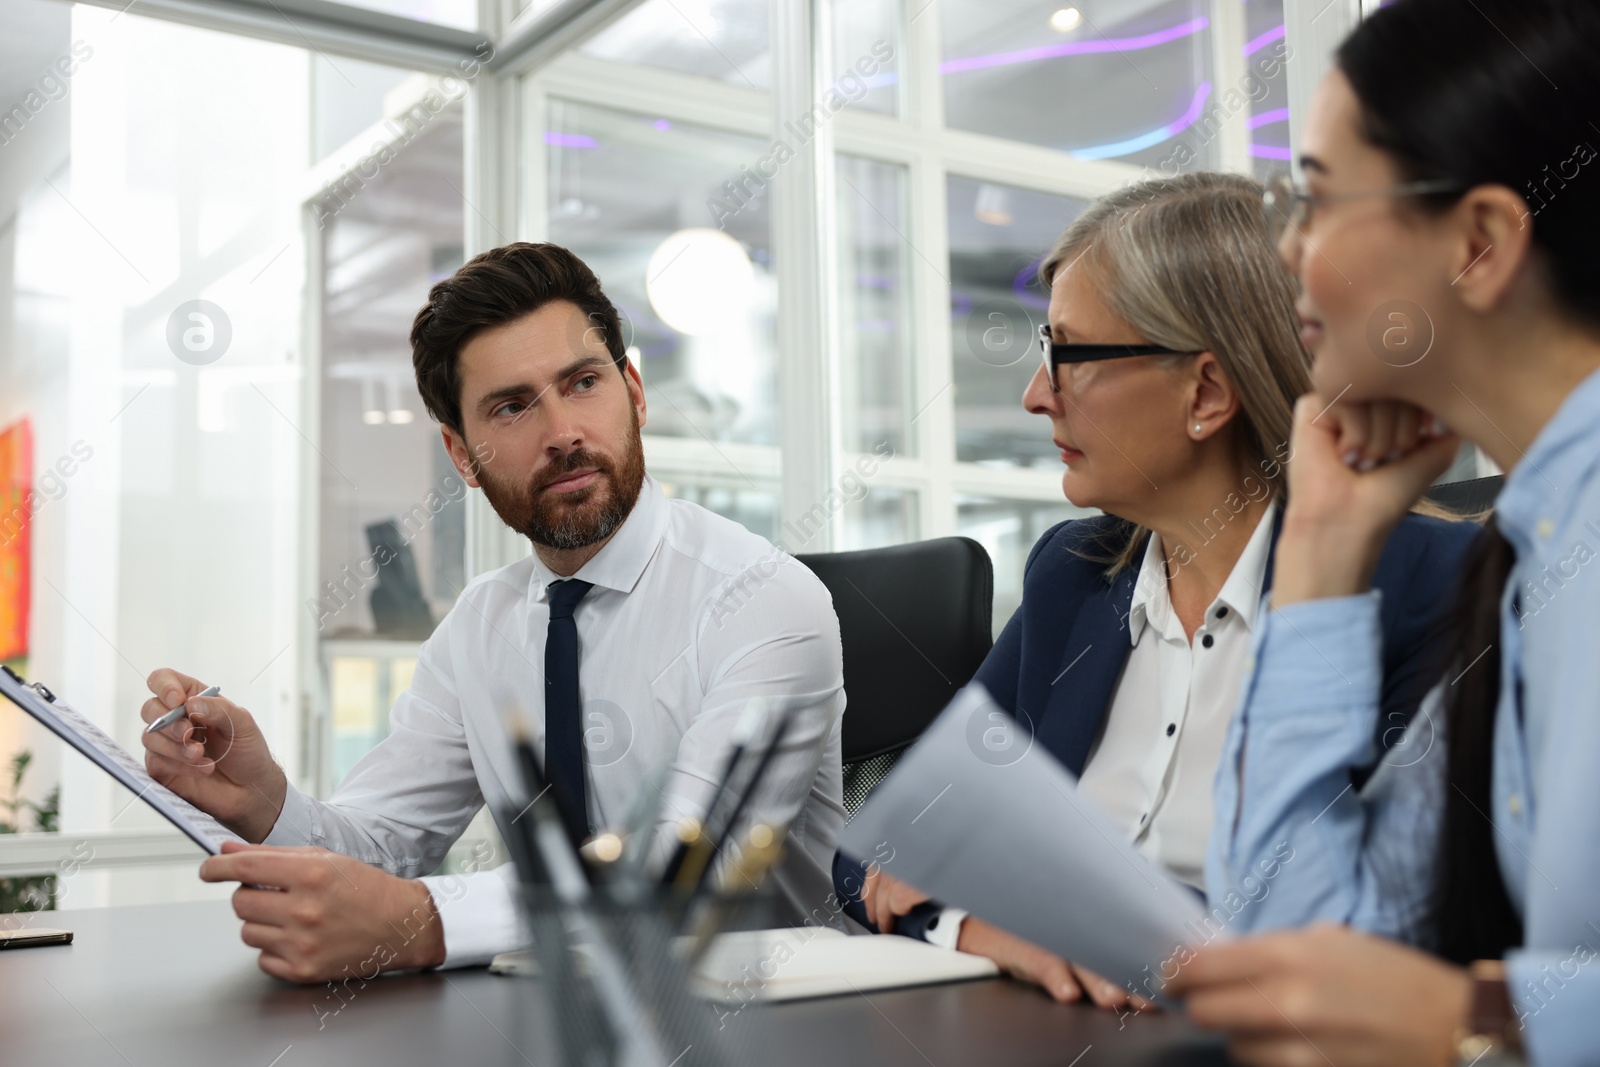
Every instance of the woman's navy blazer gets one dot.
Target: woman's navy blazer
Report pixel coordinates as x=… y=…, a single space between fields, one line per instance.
x=1056 y=664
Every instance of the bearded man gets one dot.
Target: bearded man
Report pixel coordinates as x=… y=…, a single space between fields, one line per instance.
x=636 y=636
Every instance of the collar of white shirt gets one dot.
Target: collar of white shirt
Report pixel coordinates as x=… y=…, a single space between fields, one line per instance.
x=619 y=564
x=1241 y=593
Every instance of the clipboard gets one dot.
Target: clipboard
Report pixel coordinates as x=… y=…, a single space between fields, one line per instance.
x=72 y=727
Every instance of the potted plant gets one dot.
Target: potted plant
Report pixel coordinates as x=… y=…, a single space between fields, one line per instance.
x=34 y=892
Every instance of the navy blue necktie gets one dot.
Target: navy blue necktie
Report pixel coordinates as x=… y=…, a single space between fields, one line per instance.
x=563 y=712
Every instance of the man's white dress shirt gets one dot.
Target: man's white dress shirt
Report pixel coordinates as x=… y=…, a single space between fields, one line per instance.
x=1152 y=766
x=691 y=618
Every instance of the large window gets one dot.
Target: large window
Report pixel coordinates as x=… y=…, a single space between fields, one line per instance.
x=390 y=507
x=965 y=138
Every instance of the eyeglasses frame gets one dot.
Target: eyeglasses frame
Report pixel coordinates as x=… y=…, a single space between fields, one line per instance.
x=1054 y=354
x=1301 y=203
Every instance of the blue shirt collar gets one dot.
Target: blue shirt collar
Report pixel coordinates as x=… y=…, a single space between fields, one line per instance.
x=1540 y=491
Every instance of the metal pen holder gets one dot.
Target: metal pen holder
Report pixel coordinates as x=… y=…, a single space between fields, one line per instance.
x=617 y=984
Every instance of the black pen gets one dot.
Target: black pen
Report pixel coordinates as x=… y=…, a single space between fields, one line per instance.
x=719 y=839
x=519 y=838
x=744 y=731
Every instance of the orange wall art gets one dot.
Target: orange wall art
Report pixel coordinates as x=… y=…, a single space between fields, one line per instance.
x=16 y=512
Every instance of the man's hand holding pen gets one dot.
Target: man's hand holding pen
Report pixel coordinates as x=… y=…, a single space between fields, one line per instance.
x=215 y=757
x=312 y=913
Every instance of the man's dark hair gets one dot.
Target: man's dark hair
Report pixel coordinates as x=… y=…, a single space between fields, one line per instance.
x=494 y=288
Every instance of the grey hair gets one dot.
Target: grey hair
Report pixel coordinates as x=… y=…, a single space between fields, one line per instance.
x=1188 y=263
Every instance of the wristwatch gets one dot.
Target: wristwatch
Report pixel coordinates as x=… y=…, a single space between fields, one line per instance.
x=944 y=929
x=1492 y=1036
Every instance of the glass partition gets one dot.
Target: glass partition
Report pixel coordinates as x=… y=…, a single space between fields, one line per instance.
x=722 y=39
x=875 y=306
x=998 y=236
x=1099 y=81
x=688 y=261
x=1008 y=530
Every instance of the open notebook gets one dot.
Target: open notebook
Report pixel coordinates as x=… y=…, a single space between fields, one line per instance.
x=808 y=961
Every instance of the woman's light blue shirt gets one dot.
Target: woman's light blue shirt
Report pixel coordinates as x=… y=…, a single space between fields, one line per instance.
x=1367 y=857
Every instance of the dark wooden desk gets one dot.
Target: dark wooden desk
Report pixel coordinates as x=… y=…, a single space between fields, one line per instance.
x=172 y=986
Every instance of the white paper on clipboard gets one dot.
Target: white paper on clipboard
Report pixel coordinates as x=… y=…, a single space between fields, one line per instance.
x=999 y=828
x=71 y=726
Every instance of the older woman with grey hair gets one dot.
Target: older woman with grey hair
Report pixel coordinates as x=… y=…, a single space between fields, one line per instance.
x=1170 y=366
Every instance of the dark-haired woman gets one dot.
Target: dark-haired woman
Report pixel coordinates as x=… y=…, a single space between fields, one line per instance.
x=1453 y=191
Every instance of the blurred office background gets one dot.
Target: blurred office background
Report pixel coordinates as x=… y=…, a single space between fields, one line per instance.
x=217 y=220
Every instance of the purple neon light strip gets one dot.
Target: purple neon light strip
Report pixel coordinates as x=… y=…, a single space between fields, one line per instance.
x=1155 y=136
x=1253 y=46
x=568 y=140
x=1075 y=48
x=1270 y=151
x=1267 y=118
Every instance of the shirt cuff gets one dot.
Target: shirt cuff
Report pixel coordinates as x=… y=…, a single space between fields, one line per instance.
x=944 y=929
x=297 y=822
x=1555 y=994
x=480 y=915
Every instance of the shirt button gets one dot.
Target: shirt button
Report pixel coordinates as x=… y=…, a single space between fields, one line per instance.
x=1546 y=527
x=1514 y=804
x=1222 y=612
x=1208 y=640
x=1172 y=728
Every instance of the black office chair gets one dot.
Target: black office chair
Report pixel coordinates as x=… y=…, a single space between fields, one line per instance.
x=915 y=623
x=1474 y=497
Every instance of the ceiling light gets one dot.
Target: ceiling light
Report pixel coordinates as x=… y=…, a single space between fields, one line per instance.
x=1066 y=20
x=701 y=282
x=401 y=416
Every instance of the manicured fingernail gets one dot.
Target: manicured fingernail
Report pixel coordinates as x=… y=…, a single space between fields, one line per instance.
x=1366 y=465
x=1351 y=456
x=1439 y=427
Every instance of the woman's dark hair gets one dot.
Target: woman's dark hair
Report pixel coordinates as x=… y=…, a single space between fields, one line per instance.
x=494 y=288
x=1495 y=92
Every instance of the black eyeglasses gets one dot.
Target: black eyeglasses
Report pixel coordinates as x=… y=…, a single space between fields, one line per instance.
x=1055 y=354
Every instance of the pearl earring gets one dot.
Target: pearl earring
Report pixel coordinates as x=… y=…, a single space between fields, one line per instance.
x=1197 y=427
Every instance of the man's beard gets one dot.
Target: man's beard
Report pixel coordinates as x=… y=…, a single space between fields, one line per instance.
x=565 y=521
